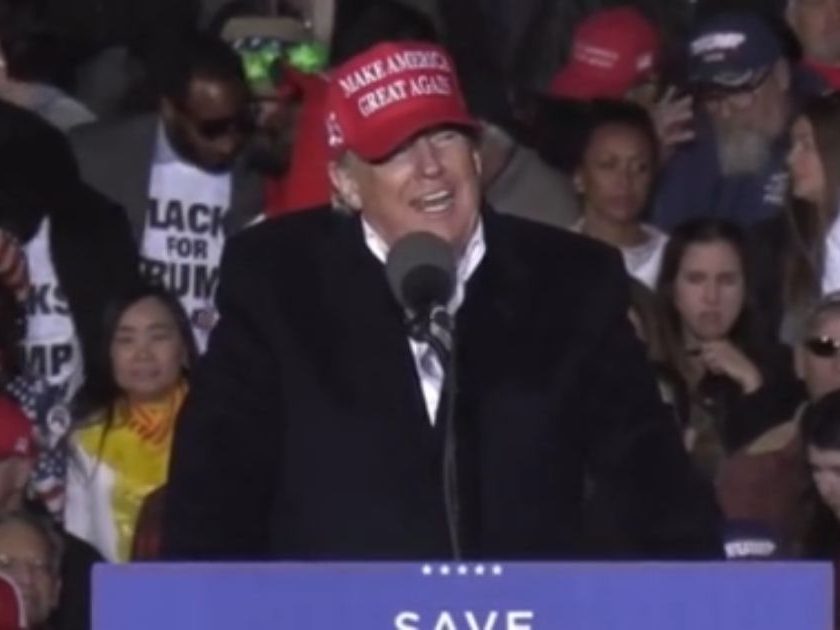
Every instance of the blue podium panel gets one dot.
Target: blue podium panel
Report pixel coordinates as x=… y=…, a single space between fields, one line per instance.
x=598 y=596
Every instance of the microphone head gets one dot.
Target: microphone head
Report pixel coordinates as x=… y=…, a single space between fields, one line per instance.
x=421 y=271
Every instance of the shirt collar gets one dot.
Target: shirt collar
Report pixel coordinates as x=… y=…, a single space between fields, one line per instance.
x=466 y=266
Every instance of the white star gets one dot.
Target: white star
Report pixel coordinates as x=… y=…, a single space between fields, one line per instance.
x=427 y=569
x=463 y=570
x=479 y=570
x=497 y=570
x=444 y=570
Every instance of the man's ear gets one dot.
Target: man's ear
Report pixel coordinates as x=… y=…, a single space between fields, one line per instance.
x=345 y=185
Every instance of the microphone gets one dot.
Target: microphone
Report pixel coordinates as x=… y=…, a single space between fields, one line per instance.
x=421 y=273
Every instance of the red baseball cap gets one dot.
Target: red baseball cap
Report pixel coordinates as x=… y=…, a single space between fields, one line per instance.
x=381 y=98
x=612 y=51
x=12 y=612
x=16 y=436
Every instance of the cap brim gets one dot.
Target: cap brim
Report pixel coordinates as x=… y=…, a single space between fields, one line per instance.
x=582 y=85
x=393 y=133
x=730 y=80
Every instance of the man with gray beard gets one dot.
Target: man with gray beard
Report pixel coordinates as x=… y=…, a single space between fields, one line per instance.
x=735 y=167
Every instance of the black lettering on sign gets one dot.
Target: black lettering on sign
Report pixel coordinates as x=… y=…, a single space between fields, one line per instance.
x=182 y=279
x=200 y=249
x=61 y=306
x=37 y=303
x=198 y=218
x=48 y=361
x=153 y=271
x=46 y=299
x=36 y=360
x=206 y=281
x=169 y=218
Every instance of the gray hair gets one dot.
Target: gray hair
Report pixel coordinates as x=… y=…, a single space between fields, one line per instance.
x=829 y=304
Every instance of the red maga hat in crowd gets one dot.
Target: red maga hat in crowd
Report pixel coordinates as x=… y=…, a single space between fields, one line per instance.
x=613 y=50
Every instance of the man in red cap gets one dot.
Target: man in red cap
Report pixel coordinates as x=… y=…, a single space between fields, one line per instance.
x=616 y=54
x=11 y=606
x=817 y=26
x=17 y=454
x=316 y=426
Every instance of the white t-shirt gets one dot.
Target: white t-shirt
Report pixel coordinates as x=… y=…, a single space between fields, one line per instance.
x=52 y=348
x=831 y=270
x=644 y=260
x=184 y=236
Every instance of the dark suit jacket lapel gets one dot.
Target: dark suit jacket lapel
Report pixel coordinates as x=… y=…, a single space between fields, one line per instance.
x=247 y=198
x=371 y=356
x=494 y=314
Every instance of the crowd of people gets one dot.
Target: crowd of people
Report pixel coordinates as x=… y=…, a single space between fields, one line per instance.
x=201 y=357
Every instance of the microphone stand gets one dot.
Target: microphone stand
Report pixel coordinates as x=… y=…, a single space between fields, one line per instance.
x=421 y=328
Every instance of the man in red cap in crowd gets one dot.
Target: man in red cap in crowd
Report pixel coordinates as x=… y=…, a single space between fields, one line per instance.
x=617 y=54
x=11 y=606
x=319 y=424
x=303 y=183
x=39 y=589
x=25 y=533
x=817 y=26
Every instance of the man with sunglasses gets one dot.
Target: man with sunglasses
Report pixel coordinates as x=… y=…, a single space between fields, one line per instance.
x=180 y=173
x=735 y=167
x=764 y=482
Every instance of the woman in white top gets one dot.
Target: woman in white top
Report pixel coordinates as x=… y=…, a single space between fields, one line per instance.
x=614 y=177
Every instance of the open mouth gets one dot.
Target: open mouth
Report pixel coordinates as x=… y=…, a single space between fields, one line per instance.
x=435 y=203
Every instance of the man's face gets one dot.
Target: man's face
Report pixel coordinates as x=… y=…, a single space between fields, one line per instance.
x=748 y=121
x=818 y=359
x=431 y=183
x=210 y=127
x=25 y=556
x=270 y=148
x=817 y=25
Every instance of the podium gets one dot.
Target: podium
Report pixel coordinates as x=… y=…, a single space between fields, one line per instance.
x=469 y=596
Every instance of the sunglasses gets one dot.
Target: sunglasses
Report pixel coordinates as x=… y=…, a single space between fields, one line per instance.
x=218 y=127
x=823 y=346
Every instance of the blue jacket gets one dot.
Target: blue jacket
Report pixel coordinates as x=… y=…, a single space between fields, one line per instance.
x=692 y=185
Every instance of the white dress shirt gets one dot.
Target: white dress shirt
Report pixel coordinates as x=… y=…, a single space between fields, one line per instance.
x=429 y=370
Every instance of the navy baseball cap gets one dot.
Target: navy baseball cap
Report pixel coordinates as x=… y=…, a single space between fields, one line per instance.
x=732 y=51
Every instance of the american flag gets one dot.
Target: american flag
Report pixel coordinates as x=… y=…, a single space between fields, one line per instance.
x=45 y=405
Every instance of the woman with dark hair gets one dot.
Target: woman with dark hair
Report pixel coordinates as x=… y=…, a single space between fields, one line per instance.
x=798 y=252
x=121 y=452
x=739 y=382
x=614 y=177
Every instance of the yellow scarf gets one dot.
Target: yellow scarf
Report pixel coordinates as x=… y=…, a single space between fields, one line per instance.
x=135 y=445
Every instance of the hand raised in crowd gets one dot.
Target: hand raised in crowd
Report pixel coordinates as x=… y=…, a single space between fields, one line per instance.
x=673 y=117
x=14 y=272
x=722 y=357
